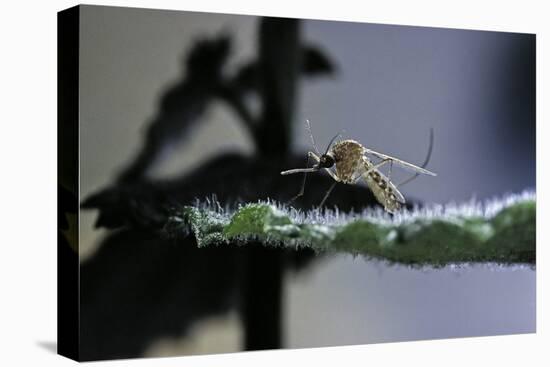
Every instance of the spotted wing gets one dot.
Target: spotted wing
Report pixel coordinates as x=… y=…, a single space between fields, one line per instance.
x=406 y=165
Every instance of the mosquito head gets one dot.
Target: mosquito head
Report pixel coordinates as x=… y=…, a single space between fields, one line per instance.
x=326 y=161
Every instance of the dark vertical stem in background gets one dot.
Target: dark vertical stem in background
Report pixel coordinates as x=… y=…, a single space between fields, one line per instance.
x=278 y=65
x=263 y=298
x=263 y=288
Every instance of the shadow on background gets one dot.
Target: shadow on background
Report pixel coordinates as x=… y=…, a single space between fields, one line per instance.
x=139 y=285
x=49 y=346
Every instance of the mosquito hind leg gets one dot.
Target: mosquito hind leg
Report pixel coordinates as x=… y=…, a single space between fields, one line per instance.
x=364 y=171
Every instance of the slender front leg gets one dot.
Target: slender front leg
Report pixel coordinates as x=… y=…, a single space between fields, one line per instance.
x=314 y=156
x=301 y=192
x=332 y=174
x=328 y=193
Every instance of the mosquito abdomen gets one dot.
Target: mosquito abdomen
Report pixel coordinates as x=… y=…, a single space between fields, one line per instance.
x=384 y=191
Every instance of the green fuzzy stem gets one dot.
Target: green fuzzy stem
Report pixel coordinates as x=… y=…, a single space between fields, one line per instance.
x=463 y=235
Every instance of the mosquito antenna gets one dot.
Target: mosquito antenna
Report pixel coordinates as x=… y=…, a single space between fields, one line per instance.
x=332 y=140
x=308 y=127
x=426 y=161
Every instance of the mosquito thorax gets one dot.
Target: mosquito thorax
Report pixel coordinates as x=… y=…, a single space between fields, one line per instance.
x=326 y=161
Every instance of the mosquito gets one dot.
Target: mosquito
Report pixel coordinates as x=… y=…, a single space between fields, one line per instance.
x=347 y=162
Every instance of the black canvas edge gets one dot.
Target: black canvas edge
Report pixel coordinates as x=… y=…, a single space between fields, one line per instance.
x=68 y=34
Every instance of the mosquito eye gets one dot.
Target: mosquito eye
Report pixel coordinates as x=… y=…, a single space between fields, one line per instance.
x=326 y=161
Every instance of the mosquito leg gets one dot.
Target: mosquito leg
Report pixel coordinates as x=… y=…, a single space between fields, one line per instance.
x=332 y=174
x=314 y=156
x=301 y=192
x=328 y=193
x=364 y=171
x=389 y=183
x=377 y=165
x=426 y=161
x=358 y=175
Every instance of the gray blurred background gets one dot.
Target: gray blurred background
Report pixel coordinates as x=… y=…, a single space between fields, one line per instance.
x=476 y=89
